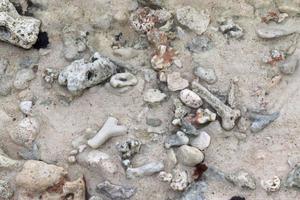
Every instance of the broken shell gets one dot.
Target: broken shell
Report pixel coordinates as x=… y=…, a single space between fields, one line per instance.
x=204 y=116
x=271 y=185
x=163 y=58
x=122 y=80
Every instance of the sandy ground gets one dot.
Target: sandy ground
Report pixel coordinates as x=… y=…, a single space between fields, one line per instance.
x=265 y=154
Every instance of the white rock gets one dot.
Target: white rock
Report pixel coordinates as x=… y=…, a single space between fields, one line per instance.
x=26 y=131
x=180 y=180
x=190 y=98
x=18 y=30
x=202 y=141
x=122 y=80
x=165 y=177
x=271 y=185
x=81 y=75
x=154 y=96
x=189 y=156
x=25 y=107
x=205 y=115
x=176 y=82
x=193 y=19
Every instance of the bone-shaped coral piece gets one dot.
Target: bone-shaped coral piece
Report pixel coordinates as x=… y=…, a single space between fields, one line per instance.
x=227 y=114
x=110 y=129
x=16 y=29
x=145 y=170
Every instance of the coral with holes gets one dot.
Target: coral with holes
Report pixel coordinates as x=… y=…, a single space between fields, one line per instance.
x=80 y=75
x=16 y=29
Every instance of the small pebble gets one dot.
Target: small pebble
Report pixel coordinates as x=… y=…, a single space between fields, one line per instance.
x=243 y=179
x=26 y=107
x=155 y=122
x=190 y=98
x=189 y=156
x=202 y=141
x=206 y=74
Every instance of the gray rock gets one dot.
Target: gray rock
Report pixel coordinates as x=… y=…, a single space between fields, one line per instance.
x=195 y=191
x=154 y=122
x=199 y=44
x=116 y=192
x=290 y=65
x=129 y=148
x=243 y=179
x=16 y=29
x=81 y=75
x=189 y=156
x=74 y=42
x=31 y=153
x=193 y=19
x=6 y=191
x=206 y=74
x=261 y=121
x=4 y=63
x=177 y=139
x=123 y=80
x=293 y=178
x=202 y=141
x=154 y=96
x=230 y=29
x=22 y=79
x=145 y=170
x=6 y=84
x=188 y=128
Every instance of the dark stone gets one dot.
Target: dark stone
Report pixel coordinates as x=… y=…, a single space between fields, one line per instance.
x=42 y=41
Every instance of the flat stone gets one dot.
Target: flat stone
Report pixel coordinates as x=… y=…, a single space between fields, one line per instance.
x=193 y=19
x=189 y=156
x=243 y=179
x=293 y=178
x=113 y=191
x=154 y=96
x=125 y=79
x=176 y=82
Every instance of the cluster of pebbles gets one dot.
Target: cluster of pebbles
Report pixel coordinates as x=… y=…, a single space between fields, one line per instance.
x=197 y=108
